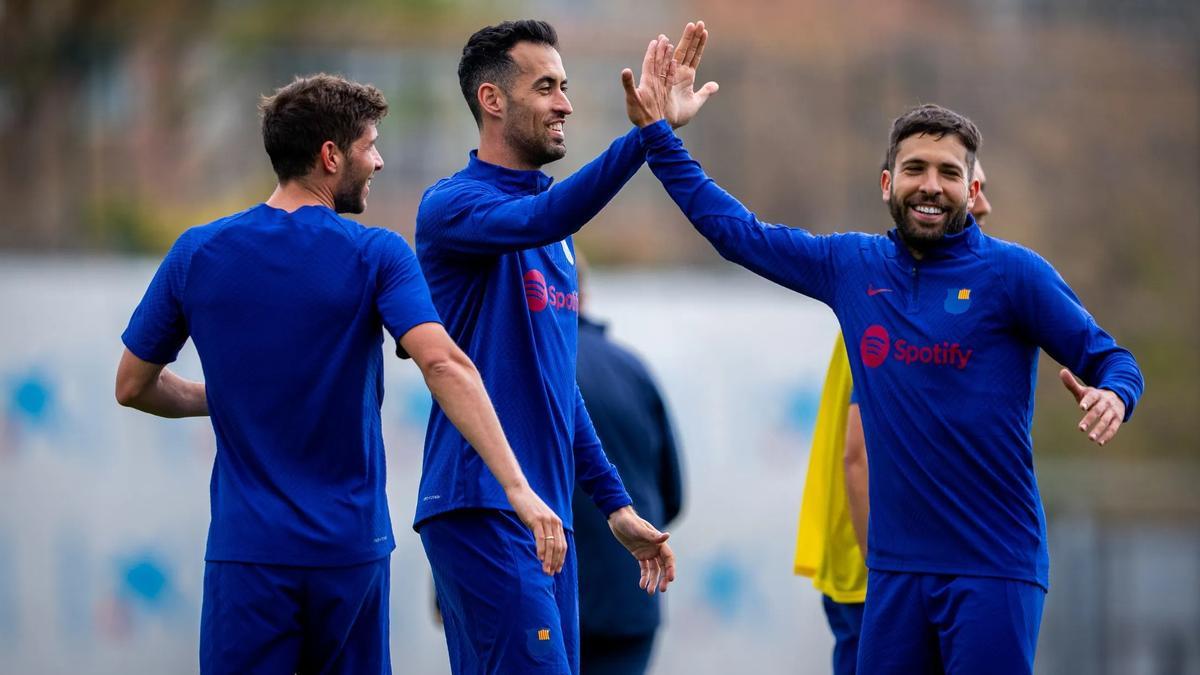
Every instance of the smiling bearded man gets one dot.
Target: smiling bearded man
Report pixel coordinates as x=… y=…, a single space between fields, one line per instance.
x=495 y=242
x=942 y=325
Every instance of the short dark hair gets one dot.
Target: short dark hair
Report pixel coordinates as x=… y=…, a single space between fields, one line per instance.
x=934 y=120
x=485 y=57
x=299 y=117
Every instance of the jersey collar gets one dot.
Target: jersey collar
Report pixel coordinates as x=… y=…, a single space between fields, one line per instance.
x=949 y=246
x=512 y=181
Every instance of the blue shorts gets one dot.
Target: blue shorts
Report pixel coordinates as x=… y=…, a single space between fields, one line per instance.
x=501 y=613
x=937 y=623
x=845 y=621
x=278 y=619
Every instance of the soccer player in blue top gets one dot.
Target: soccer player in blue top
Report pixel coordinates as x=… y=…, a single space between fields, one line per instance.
x=494 y=241
x=942 y=324
x=286 y=303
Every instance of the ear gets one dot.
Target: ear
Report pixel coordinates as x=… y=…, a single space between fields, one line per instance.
x=491 y=100
x=330 y=157
x=885 y=184
x=972 y=191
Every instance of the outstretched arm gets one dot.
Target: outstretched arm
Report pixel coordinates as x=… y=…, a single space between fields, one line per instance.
x=466 y=217
x=788 y=256
x=153 y=388
x=456 y=385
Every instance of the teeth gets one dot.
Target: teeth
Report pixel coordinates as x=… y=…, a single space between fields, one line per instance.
x=930 y=210
x=557 y=126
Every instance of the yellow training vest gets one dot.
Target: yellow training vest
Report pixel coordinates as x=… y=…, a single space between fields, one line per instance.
x=826 y=548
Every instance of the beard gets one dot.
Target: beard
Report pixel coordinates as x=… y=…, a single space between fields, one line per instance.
x=533 y=149
x=919 y=237
x=348 y=197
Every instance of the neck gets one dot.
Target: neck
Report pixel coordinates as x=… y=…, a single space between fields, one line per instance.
x=300 y=192
x=494 y=150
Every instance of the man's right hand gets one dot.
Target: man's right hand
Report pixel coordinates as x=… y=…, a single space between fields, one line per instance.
x=647 y=102
x=544 y=523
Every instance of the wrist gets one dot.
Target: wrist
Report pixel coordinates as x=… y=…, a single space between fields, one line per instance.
x=621 y=513
x=515 y=485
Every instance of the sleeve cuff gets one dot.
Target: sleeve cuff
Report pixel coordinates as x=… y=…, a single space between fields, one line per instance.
x=612 y=504
x=656 y=136
x=159 y=357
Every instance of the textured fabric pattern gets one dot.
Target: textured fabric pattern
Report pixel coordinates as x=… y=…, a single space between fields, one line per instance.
x=287 y=312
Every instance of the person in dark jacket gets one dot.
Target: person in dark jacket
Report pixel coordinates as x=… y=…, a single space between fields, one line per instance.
x=617 y=620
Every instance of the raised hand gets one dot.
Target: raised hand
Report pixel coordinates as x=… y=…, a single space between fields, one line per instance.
x=647 y=103
x=648 y=546
x=544 y=523
x=1103 y=409
x=685 y=101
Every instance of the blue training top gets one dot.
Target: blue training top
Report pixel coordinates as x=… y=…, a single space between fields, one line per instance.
x=495 y=245
x=943 y=352
x=285 y=310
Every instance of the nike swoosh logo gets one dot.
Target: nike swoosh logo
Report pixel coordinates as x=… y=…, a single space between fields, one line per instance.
x=877 y=291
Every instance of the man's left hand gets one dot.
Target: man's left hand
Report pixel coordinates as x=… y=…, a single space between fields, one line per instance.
x=685 y=101
x=1103 y=409
x=648 y=545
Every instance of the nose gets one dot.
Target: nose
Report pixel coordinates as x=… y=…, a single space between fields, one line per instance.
x=929 y=182
x=378 y=161
x=562 y=104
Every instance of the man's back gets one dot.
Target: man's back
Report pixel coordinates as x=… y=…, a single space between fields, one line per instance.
x=284 y=309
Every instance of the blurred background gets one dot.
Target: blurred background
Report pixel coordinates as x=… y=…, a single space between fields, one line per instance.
x=127 y=121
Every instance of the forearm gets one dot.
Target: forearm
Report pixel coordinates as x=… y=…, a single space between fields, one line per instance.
x=857 y=476
x=788 y=256
x=1059 y=324
x=167 y=395
x=599 y=478
x=459 y=390
x=1123 y=377
x=568 y=206
x=857 y=479
x=593 y=471
x=468 y=218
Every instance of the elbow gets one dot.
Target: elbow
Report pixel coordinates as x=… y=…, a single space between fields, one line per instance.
x=440 y=368
x=127 y=393
x=449 y=364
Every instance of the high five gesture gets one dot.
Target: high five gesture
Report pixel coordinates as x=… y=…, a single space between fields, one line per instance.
x=685 y=101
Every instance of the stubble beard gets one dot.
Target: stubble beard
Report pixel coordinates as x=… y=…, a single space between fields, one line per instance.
x=348 y=198
x=533 y=151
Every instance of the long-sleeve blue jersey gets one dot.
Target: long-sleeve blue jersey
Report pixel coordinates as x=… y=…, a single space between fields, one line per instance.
x=495 y=246
x=944 y=356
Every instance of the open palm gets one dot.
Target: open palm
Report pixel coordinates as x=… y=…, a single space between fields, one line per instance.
x=685 y=101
